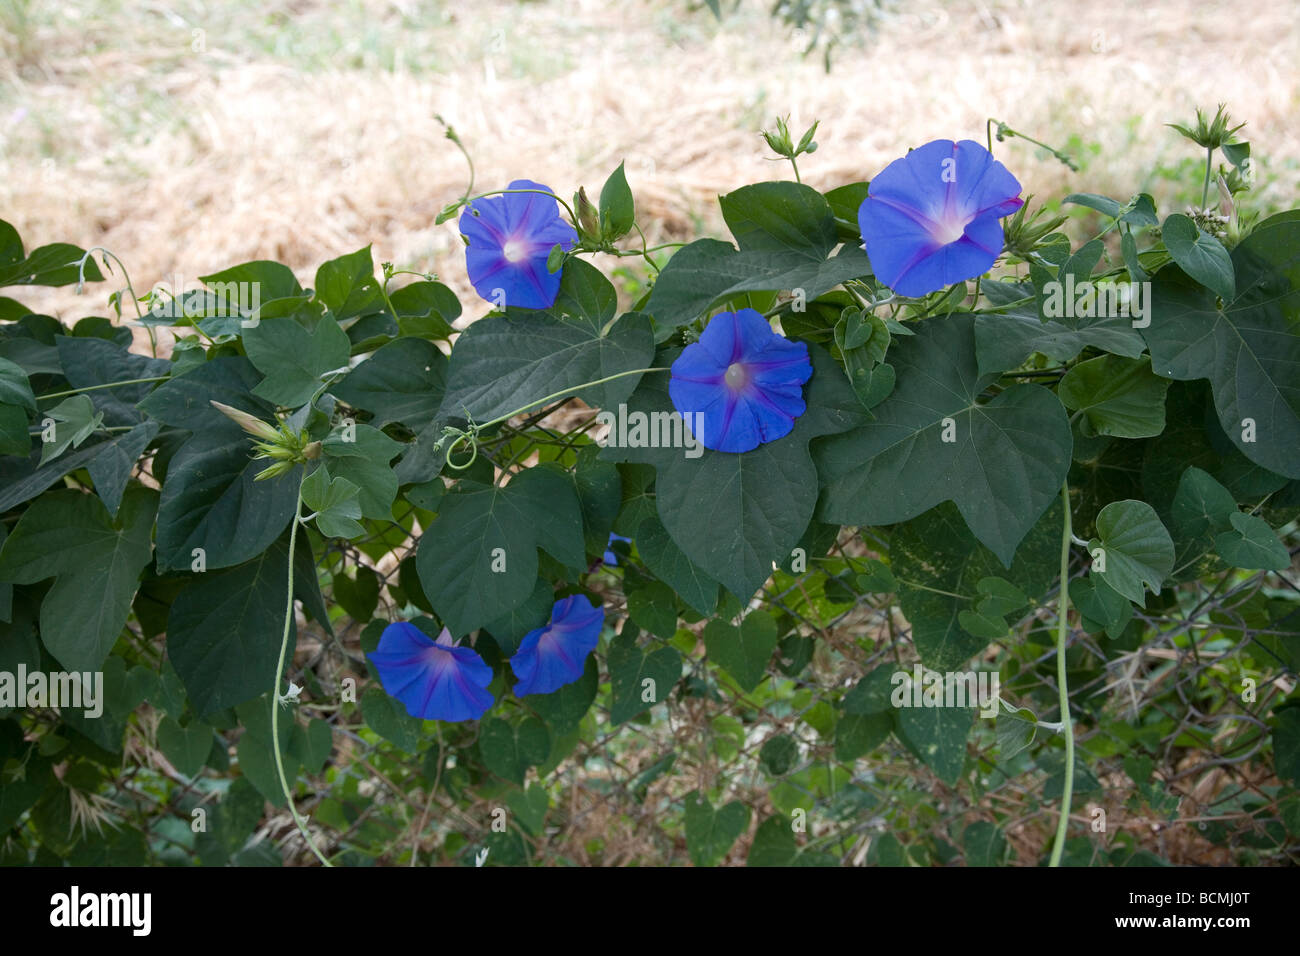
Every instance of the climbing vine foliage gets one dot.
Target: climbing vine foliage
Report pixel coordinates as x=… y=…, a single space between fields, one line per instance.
x=716 y=546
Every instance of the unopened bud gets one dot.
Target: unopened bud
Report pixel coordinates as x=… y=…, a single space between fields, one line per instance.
x=249 y=423
x=588 y=217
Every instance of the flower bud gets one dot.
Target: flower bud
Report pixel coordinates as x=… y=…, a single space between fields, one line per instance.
x=588 y=218
x=249 y=423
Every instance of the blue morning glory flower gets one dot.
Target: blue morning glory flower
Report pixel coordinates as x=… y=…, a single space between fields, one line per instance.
x=741 y=384
x=436 y=680
x=510 y=237
x=556 y=654
x=611 y=556
x=932 y=218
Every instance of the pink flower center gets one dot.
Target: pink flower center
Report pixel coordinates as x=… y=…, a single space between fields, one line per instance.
x=516 y=250
x=736 y=376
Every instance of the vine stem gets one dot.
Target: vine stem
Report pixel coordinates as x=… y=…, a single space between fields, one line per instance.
x=91 y=388
x=1209 y=165
x=1063 y=610
x=469 y=437
x=560 y=394
x=275 y=688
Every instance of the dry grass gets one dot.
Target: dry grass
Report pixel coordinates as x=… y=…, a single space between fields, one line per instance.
x=306 y=129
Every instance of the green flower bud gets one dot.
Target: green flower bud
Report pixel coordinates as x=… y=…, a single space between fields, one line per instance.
x=1211 y=134
x=588 y=217
x=249 y=423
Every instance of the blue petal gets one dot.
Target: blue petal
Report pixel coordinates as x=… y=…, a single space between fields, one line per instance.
x=434 y=681
x=530 y=212
x=721 y=338
x=895 y=241
x=531 y=218
x=983 y=183
x=754 y=334
x=713 y=403
x=737 y=430
x=555 y=655
x=914 y=200
x=917 y=180
x=698 y=364
x=765 y=408
x=534 y=288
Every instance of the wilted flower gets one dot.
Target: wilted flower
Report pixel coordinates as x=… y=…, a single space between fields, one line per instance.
x=436 y=680
x=741 y=383
x=556 y=654
x=932 y=218
x=510 y=237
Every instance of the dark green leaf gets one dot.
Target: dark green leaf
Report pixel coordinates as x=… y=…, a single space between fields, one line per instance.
x=1200 y=255
x=786 y=233
x=638 y=680
x=347 y=285
x=482 y=527
x=211 y=501
x=1003 y=462
x=1137 y=548
x=96 y=564
x=709 y=832
x=733 y=515
x=671 y=565
x=223 y=633
x=509 y=750
x=1117 y=396
x=1251 y=544
x=937 y=735
x=401 y=382
x=293 y=359
x=744 y=651
x=1249 y=349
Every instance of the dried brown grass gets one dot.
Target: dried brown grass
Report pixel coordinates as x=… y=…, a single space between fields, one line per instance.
x=304 y=131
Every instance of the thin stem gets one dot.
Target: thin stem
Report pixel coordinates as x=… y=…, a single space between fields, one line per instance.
x=383 y=291
x=275 y=688
x=560 y=394
x=135 y=299
x=1205 y=191
x=796 y=170
x=107 y=428
x=91 y=388
x=1063 y=610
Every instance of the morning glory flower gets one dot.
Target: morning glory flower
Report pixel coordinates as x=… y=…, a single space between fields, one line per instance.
x=741 y=384
x=510 y=236
x=611 y=556
x=556 y=654
x=932 y=218
x=436 y=680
